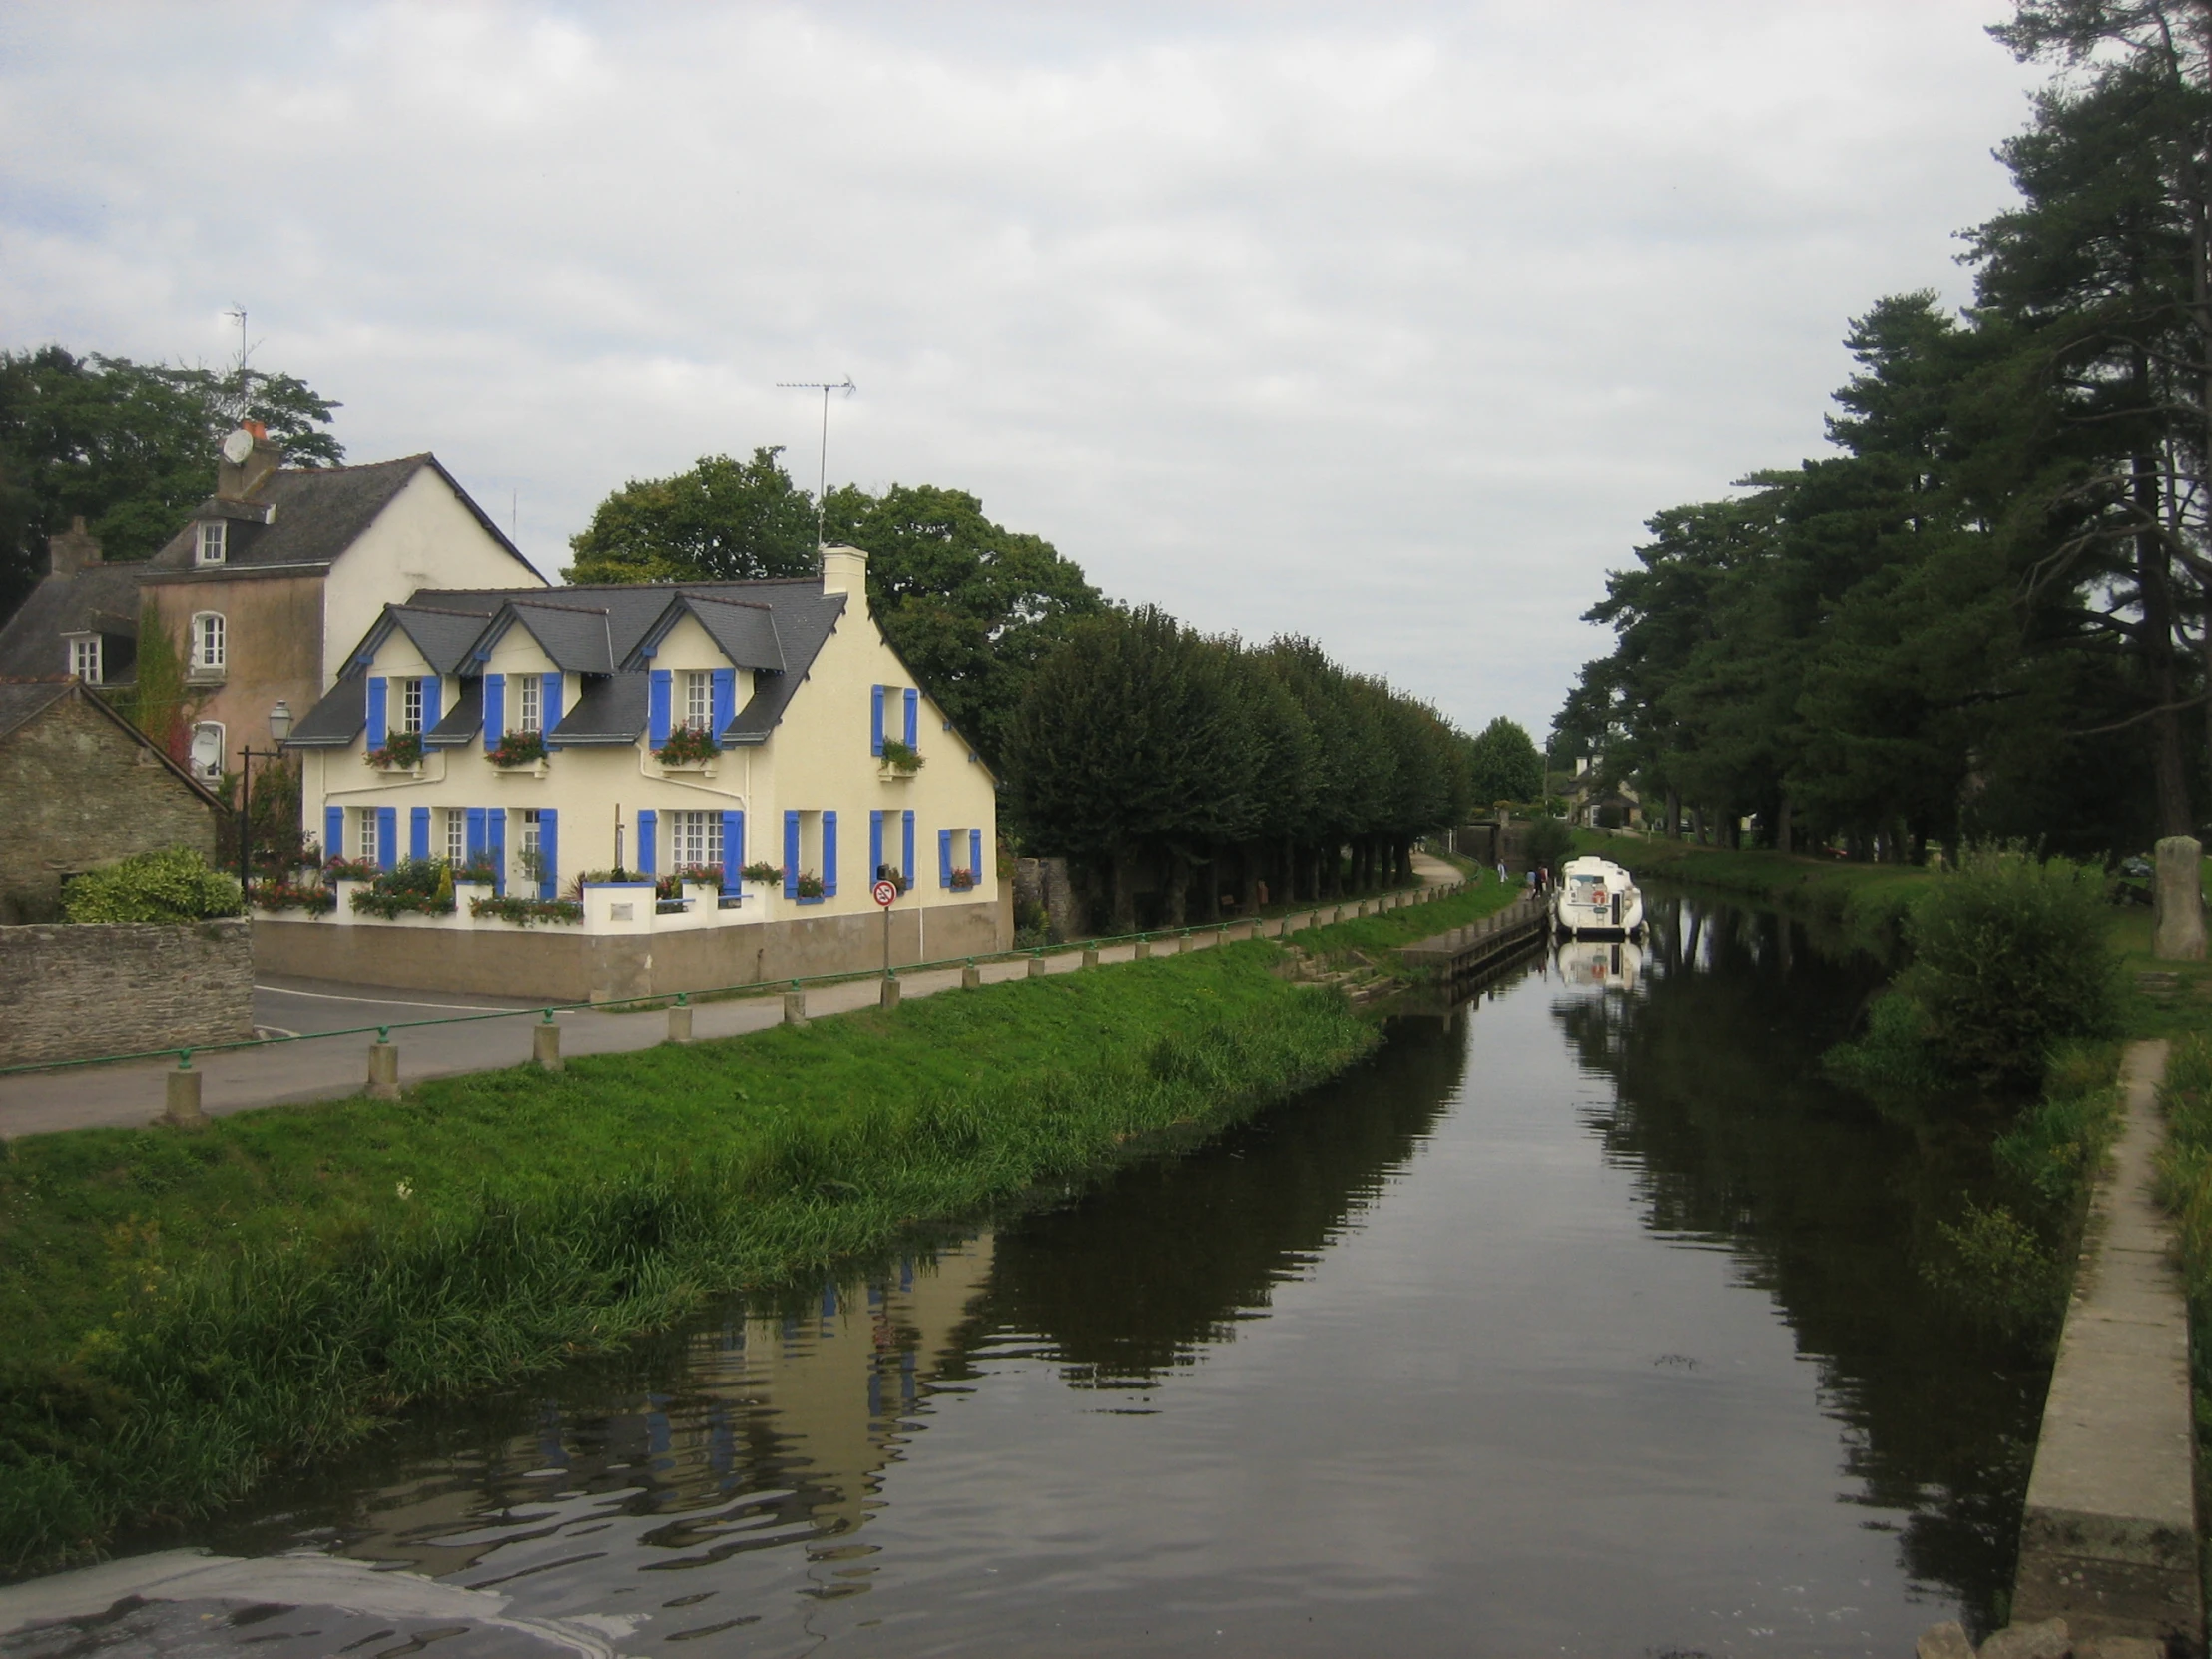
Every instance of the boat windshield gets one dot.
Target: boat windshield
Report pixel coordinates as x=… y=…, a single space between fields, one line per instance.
x=1589 y=888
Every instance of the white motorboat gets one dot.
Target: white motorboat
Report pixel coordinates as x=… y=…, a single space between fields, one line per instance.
x=1601 y=965
x=1596 y=900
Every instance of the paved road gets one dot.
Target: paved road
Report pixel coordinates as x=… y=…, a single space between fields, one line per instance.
x=132 y=1092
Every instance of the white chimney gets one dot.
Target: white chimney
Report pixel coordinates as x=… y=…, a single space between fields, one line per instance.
x=845 y=570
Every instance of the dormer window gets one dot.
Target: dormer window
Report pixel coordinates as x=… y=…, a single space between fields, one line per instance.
x=530 y=708
x=84 y=657
x=699 y=699
x=212 y=544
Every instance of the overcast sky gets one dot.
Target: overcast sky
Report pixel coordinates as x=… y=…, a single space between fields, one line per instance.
x=1387 y=325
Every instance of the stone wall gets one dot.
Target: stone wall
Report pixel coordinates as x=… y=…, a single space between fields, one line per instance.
x=75 y=992
x=76 y=790
x=1044 y=883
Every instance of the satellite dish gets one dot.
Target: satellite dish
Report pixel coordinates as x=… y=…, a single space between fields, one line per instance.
x=237 y=446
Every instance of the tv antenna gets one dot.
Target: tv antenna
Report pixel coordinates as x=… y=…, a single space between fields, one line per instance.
x=821 y=476
x=245 y=396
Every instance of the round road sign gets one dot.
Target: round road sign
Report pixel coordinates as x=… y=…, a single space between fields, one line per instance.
x=886 y=893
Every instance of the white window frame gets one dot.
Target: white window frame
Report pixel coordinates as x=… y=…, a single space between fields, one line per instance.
x=85 y=656
x=699 y=699
x=211 y=642
x=410 y=704
x=212 y=544
x=210 y=774
x=456 y=836
x=529 y=703
x=694 y=839
x=364 y=836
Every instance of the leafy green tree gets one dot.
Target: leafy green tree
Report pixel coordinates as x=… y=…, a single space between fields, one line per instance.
x=721 y=520
x=1127 y=746
x=970 y=606
x=1504 y=763
x=129 y=448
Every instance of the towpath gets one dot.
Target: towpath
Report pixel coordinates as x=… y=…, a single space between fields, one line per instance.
x=130 y=1093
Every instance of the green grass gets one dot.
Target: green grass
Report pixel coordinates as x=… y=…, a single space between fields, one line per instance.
x=190 y=1311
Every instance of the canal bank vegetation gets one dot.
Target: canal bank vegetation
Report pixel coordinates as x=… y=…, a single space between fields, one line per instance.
x=2185 y=1188
x=191 y=1310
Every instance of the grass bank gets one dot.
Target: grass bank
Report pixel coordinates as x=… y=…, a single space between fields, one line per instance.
x=188 y=1312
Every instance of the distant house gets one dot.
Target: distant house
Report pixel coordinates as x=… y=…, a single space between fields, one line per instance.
x=276 y=563
x=82 y=786
x=539 y=734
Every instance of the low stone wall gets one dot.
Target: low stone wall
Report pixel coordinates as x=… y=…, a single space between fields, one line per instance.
x=116 y=989
x=565 y=964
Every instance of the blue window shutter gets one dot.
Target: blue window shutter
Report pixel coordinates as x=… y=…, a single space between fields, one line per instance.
x=828 y=855
x=549 y=852
x=495 y=848
x=478 y=847
x=875 y=719
x=495 y=708
x=419 y=831
x=874 y=843
x=733 y=851
x=388 y=837
x=648 y=823
x=914 y=717
x=433 y=701
x=906 y=848
x=333 y=831
x=725 y=700
x=377 y=724
x=657 y=703
x=549 y=701
x=791 y=854
x=944 y=857
x=976 y=855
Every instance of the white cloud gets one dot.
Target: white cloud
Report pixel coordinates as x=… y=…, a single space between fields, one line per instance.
x=1387 y=325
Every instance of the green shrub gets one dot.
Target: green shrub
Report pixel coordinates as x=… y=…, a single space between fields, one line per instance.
x=2010 y=961
x=171 y=886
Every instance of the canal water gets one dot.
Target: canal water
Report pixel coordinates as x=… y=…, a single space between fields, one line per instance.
x=1585 y=1319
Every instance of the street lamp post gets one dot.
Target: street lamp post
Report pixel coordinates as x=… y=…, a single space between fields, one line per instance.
x=279 y=728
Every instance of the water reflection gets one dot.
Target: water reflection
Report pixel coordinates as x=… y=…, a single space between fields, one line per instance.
x=1582 y=1318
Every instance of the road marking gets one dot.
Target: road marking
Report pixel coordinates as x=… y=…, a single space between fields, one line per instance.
x=394 y=1003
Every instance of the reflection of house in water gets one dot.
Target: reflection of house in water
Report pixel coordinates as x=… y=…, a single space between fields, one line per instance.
x=784 y=1424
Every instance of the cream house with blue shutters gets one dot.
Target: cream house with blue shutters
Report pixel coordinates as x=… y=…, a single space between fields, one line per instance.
x=681 y=735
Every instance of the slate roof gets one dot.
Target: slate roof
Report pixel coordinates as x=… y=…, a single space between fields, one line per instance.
x=580 y=627
x=461 y=722
x=314 y=514
x=99 y=599
x=576 y=637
